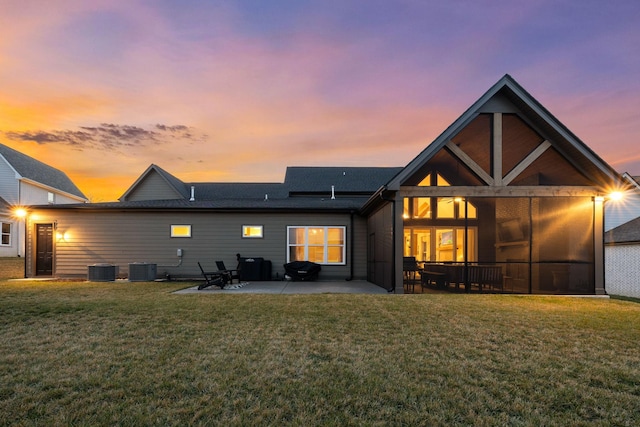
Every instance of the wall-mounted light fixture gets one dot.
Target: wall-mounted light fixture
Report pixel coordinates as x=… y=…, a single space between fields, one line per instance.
x=616 y=195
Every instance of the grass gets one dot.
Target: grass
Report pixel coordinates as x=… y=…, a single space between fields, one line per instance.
x=11 y=268
x=137 y=354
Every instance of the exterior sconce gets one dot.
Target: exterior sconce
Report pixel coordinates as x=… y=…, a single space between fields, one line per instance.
x=20 y=212
x=616 y=195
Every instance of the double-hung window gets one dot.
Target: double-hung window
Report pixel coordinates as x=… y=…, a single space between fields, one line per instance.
x=319 y=244
x=5 y=233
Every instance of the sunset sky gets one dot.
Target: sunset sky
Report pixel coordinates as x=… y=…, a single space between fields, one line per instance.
x=238 y=90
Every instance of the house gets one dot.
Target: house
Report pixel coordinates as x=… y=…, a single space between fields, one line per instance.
x=618 y=212
x=27 y=181
x=505 y=190
x=622 y=254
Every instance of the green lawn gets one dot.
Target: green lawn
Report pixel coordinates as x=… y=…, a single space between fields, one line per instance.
x=136 y=354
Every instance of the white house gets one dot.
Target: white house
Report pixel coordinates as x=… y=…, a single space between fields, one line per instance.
x=26 y=181
x=618 y=212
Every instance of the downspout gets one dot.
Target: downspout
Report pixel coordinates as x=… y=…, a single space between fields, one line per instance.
x=351 y=240
x=393 y=240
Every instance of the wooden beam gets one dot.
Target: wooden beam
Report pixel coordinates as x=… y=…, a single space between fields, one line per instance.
x=497 y=149
x=487 y=191
x=470 y=163
x=526 y=162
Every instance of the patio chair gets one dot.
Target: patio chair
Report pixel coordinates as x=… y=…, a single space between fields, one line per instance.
x=232 y=274
x=214 y=278
x=409 y=271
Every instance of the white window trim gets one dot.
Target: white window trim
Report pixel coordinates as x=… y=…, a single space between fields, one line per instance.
x=326 y=245
x=3 y=234
x=244 y=236
x=180 y=236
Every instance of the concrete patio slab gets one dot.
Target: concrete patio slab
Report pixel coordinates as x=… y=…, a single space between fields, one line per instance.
x=290 y=287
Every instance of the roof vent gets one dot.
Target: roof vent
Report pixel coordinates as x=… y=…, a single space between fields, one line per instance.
x=193 y=194
x=333 y=192
x=266 y=197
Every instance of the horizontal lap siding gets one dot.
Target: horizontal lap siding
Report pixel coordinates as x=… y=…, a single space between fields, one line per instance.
x=121 y=238
x=153 y=187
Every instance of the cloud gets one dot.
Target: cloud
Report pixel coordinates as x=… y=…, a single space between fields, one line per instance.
x=108 y=136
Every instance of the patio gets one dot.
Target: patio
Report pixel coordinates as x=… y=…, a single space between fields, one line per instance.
x=291 y=287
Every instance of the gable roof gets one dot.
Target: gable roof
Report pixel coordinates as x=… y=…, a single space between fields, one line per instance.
x=629 y=232
x=363 y=180
x=505 y=91
x=303 y=188
x=172 y=182
x=36 y=171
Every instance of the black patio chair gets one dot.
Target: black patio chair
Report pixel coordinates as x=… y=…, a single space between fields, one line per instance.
x=213 y=278
x=232 y=274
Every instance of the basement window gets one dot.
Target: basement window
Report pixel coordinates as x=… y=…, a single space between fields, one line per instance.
x=252 y=231
x=181 y=231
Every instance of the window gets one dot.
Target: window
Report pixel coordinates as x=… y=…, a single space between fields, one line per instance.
x=5 y=238
x=51 y=198
x=252 y=231
x=322 y=245
x=181 y=231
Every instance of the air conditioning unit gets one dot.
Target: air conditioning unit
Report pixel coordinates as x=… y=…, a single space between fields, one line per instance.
x=142 y=272
x=102 y=272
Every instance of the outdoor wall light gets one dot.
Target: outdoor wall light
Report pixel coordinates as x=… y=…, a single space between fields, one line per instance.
x=615 y=195
x=20 y=212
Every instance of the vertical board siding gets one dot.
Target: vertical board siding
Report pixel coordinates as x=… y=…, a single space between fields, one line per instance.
x=125 y=237
x=381 y=226
x=622 y=269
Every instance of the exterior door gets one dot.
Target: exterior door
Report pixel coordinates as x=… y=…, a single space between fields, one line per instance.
x=44 y=249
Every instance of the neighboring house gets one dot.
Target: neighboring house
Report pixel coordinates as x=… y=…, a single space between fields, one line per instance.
x=26 y=181
x=506 y=185
x=622 y=254
x=618 y=212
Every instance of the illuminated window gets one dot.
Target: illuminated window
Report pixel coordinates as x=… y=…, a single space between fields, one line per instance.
x=181 y=231
x=426 y=182
x=322 y=245
x=446 y=207
x=252 y=231
x=5 y=239
x=422 y=207
x=442 y=182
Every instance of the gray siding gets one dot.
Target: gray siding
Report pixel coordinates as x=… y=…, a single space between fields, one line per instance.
x=8 y=183
x=153 y=187
x=620 y=212
x=35 y=195
x=121 y=238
